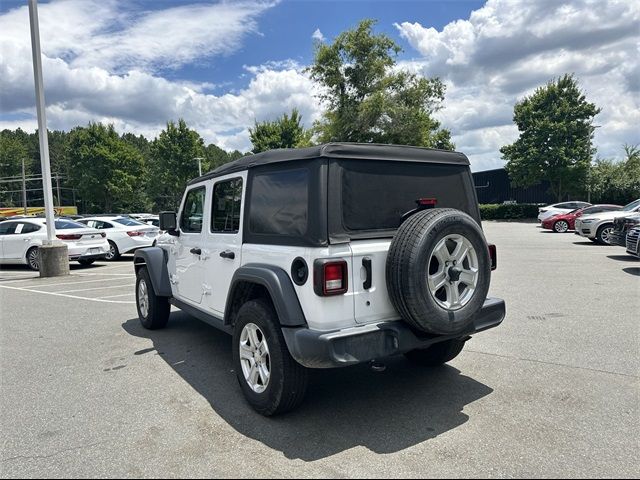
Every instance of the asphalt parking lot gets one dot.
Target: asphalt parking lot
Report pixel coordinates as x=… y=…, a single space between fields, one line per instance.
x=554 y=391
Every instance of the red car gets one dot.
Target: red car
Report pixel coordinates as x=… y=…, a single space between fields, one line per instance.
x=564 y=222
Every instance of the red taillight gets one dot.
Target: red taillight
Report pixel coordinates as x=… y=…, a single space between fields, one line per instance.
x=136 y=233
x=493 y=254
x=330 y=277
x=69 y=237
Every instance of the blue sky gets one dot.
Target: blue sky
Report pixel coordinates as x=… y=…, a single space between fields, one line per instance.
x=223 y=65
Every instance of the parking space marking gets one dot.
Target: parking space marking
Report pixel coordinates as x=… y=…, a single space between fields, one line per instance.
x=81 y=282
x=57 y=294
x=116 y=296
x=129 y=285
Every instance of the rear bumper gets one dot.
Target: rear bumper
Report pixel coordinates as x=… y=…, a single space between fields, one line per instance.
x=96 y=256
x=351 y=346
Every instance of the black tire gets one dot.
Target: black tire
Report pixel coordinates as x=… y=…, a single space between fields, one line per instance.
x=559 y=226
x=114 y=253
x=288 y=379
x=437 y=354
x=86 y=263
x=409 y=263
x=33 y=259
x=600 y=234
x=159 y=308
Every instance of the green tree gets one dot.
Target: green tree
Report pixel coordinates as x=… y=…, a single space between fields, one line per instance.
x=12 y=152
x=105 y=170
x=173 y=163
x=285 y=132
x=555 y=142
x=616 y=182
x=368 y=99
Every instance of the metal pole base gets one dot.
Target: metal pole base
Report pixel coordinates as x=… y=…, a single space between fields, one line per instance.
x=53 y=261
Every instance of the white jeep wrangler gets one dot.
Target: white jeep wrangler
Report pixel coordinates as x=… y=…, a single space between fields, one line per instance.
x=325 y=257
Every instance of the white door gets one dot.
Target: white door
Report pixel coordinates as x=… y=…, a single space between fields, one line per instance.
x=224 y=238
x=15 y=245
x=189 y=258
x=6 y=231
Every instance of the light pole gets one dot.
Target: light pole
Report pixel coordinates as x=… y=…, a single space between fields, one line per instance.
x=24 y=189
x=199 y=159
x=53 y=258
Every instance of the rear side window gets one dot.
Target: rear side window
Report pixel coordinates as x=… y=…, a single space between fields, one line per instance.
x=30 y=227
x=193 y=211
x=226 y=208
x=376 y=194
x=279 y=203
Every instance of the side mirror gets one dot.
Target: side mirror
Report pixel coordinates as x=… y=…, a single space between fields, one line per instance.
x=169 y=223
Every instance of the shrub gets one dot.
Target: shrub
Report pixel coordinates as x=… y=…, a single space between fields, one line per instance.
x=508 y=211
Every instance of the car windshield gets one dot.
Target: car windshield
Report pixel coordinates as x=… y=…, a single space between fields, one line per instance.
x=68 y=224
x=129 y=222
x=631 y=206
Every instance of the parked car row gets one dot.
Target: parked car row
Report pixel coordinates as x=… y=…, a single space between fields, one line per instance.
x=88 y=238
x=603 y=224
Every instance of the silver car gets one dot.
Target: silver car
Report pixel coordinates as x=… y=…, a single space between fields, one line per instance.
x=599 y=226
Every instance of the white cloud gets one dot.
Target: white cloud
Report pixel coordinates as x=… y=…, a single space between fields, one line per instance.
x=318 y=36
x=507 y=48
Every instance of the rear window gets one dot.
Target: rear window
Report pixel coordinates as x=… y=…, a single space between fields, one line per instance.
x=376 y=194
x=279 y=203
x=68 y=224
x=129 y=222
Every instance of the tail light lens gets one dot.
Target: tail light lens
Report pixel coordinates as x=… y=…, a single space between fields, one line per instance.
x=69 y=237
x=330 y=277
x=136 y=233
x=493 y=254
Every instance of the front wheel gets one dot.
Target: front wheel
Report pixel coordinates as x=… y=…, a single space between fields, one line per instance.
x=153 y=311
x=437 y=354
x=270 y=379
x=603 y=236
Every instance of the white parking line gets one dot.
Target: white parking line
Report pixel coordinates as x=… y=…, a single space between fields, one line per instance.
x=56 y=294
x=129 y=285
x=116 y=296
x=82 y=282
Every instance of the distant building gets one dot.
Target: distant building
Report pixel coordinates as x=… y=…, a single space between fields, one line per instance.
x=494 y=186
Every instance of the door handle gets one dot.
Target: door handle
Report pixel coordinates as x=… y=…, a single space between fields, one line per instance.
x=366 y=263
x=228 y=254
x=196 y=251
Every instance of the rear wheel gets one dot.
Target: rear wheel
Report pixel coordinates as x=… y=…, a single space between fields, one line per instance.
x=561 y=226
x=153 y=311
x=603 y=236
x=270 y=379
x=33 y=258
x=113 y=253
x=437 y=354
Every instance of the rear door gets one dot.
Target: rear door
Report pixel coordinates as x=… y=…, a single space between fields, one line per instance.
x=189 y=260
x=224 y=238
x=7 y=230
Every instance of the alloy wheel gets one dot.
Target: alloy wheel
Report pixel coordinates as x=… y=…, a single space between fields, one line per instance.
x=143 y=298
x=255 y=358
x=453 y=272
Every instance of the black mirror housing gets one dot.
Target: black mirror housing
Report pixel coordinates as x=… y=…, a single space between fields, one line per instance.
x=169 y=222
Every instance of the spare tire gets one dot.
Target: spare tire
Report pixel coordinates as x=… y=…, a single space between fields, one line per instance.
x=438 y=271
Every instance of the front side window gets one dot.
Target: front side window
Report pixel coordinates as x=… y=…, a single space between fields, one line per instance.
x=193 y=211
x=7 y=228
x=227 y=205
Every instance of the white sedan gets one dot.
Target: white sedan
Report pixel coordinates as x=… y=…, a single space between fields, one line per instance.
x=21 y=238
x=124 y=234
x=557 y=208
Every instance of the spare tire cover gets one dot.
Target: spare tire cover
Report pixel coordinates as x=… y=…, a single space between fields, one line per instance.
x=438 y=271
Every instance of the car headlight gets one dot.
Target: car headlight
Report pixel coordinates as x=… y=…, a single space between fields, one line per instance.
x=591 y=220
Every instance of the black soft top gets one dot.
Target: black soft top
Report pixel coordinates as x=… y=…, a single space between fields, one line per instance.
x=355 y=151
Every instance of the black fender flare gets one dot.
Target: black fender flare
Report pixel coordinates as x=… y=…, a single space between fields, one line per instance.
x=155 y=259
x=280 y=287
